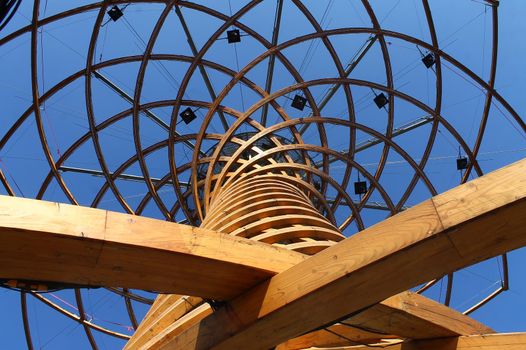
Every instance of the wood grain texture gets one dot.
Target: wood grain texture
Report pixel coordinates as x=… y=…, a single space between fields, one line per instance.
x=502 y=341
x=427 y=241
x=335 y=335
x=71 y=244
x=162 y=339
x=254 y=205
x=405 y=315
x=413 y=316
x=168 y=311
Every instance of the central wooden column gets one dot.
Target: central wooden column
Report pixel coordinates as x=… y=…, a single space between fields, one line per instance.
x=272 y=208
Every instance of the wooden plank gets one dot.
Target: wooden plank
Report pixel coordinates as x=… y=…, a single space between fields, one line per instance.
x=405 y=315
x=46 y=241
x=165 y=335
x=410 y=315
x=500 y=341
x=168 y=311
x=468 y=224
x=335 y=335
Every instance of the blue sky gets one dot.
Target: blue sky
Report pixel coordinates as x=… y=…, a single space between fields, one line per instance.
x=464 y=30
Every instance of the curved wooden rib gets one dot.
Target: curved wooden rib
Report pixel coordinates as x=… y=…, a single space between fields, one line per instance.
x=238 y=212
x=168 y=310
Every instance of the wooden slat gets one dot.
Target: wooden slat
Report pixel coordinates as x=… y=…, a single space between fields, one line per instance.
x=468 y=224
x=166 y=334
x=46 y=241
x=168 y=311
x=502 y=341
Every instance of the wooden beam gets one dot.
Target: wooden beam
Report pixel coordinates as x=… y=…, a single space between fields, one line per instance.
x=501 y=341
x=471 y=223
x=44 y=241
x=165 y=336
x=335 y=335
x=405 y=315
x=410 y=315
x=69 y=234
x=166 y=311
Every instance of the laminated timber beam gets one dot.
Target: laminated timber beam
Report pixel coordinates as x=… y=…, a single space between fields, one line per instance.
x=333 y=336
x=68 y=233
x=413 y=316
x=468 y=224
x=405 y=315
x=501 y=341
x=45 y=241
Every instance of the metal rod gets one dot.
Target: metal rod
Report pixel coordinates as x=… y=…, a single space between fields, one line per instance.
x=147 y=112
x=272 y=60
x=130 y=177
x=484 y=301
x=371 y=205
x=202 y=70
x=348 y=70
x=99 y=173
x=77 y=318
x=374 y=141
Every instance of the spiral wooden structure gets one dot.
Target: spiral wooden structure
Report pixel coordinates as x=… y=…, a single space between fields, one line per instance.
x=259 y=239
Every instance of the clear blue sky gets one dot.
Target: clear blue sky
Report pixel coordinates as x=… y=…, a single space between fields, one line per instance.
x=464 y=32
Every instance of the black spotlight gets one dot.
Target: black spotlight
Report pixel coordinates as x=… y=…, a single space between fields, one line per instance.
x=428 y=60
x=381 y=100
x=233 y=36
x=360 y=187
x=265 y=146
x=187 y=115
x=462 y=163
x=115 y=13
x=299 y=102
x=246 y=154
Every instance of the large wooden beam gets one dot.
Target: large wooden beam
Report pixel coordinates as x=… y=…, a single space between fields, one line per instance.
x=57 y=242
x=468 y=224
x=503 y=341
x=44 y=241
x=413 y=316
x=333 y=336
x=405 y=315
